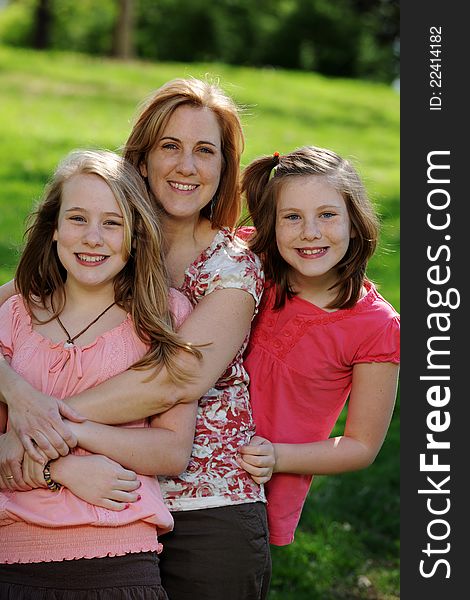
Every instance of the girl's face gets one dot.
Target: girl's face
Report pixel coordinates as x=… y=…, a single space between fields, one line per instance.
x=184 y=167
x=313 y=227
x=90 y=232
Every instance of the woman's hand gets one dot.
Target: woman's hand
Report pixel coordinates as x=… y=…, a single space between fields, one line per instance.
x=258 y=459
x=97 y=479
x=37 y=418
x=33 y=472
x=11 y=459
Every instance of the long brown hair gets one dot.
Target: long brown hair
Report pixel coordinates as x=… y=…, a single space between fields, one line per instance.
x=261 y=183
x=141 y=287
x=154 y=116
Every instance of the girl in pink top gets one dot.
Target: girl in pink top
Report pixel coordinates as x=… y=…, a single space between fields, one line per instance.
x=93 y=302
x=323 y=333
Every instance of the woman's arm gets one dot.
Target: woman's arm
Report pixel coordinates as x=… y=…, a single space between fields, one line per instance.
x=219 y=324
x=221 y=320
x=370 y=409
x=163 y=448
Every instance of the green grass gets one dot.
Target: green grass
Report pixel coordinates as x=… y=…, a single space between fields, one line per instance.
x=348 y=541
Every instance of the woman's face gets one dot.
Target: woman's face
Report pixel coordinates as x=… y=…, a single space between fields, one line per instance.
x=184 y=167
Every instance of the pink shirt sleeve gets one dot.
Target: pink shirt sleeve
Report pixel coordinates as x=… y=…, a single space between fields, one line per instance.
x=9 y=320
x=180 y=307
x=383 y=345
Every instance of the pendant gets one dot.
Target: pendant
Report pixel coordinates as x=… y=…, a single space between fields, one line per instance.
x=69 y=344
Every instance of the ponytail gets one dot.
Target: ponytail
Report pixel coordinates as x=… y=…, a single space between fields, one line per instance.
x=261 y=190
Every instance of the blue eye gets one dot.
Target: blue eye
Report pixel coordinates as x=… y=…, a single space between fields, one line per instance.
x=328 y=215
x=77 y=218
x=292 y=217
x=206 y=150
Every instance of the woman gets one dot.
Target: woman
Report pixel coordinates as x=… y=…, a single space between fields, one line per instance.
x=187 y=143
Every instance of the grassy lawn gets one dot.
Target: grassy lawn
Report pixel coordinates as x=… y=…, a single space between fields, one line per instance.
x=348 y=543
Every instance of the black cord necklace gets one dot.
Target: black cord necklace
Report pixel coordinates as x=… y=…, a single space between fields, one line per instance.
x=69 y=343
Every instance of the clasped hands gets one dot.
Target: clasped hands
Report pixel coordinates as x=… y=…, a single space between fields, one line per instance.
x=39 y=433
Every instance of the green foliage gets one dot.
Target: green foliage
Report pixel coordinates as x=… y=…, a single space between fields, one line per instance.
x=16 y=23
x=305 y=37
x=342 y=38
x=85 y=26
x=347 y=543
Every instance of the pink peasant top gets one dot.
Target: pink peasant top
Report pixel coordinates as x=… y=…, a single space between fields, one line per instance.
x=80 y=530
x=300 y=361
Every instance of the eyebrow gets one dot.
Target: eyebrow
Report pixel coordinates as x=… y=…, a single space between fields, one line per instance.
x=175 y=139
x=298 y=209
x=80 y=208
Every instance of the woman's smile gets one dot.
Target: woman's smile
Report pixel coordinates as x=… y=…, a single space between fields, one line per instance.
x=184 y=167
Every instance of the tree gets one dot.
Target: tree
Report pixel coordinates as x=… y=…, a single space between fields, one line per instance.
x=123 y=46
x=43 y=16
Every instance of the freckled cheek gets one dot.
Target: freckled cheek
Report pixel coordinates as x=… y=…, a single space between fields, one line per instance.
x=283 y=242
x=286 y=232
x=159 y=168
x=66 y=238
x=118 y=243
x=213 y=174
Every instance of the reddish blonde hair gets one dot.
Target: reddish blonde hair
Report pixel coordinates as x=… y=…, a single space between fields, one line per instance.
x=154 y=116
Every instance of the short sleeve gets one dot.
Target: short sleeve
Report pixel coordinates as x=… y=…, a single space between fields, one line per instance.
x=245 y=233
x=9 y=320
x=383 y=345
x=235 y=266
x=180 y=307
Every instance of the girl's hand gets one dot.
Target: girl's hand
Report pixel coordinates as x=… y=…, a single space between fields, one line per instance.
x=97 y=479
x=37 y=420
x=11 y=458
x=258 y=459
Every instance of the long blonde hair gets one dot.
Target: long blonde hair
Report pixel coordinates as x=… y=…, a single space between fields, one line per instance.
x=141 y=287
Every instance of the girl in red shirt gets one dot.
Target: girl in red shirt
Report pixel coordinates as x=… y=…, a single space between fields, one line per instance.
x=323 y=333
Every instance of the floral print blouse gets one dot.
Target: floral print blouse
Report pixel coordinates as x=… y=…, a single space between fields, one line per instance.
x=224 y=419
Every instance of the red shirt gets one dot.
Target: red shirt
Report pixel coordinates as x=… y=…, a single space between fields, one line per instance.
x=300 y=361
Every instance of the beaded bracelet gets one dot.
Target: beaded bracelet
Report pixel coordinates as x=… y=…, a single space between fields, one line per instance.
x=51 y=484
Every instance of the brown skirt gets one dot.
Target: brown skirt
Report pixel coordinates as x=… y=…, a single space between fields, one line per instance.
x=129 y=577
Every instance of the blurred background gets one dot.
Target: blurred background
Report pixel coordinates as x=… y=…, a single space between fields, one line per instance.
x=322 y=72
x=346 y=38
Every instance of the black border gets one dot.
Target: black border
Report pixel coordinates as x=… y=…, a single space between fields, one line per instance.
x=423 y=131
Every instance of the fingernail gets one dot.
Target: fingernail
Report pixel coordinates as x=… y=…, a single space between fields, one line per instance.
x=127 y=506
x=139 y=497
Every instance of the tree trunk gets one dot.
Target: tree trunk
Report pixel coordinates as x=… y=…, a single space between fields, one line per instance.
x=42 y=25
x=123 y=32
